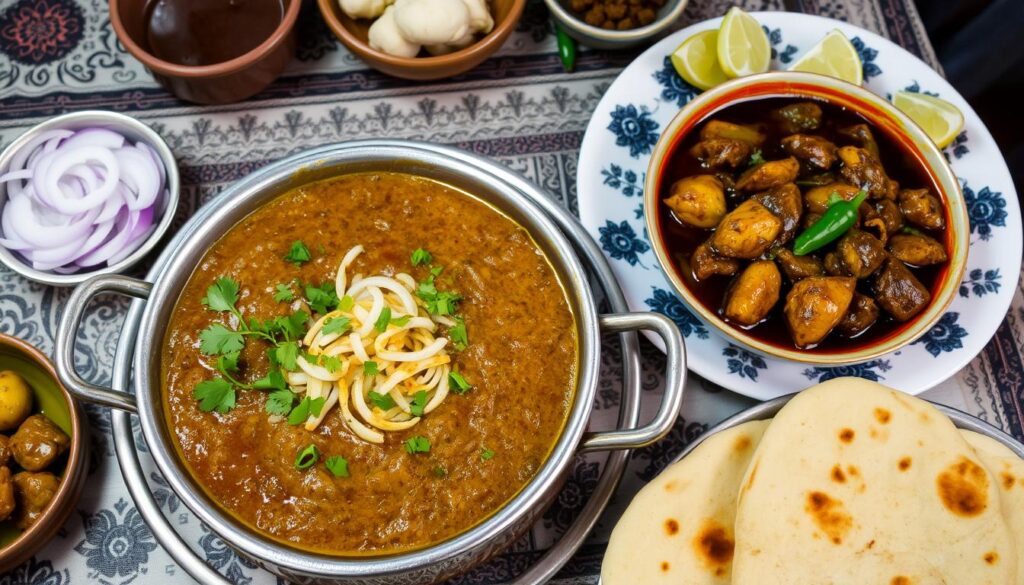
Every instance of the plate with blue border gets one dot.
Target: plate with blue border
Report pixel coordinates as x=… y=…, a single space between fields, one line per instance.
x=646 y=96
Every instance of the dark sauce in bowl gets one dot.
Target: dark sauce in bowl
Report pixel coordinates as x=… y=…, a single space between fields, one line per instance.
x=681 y=240
x=206 y=32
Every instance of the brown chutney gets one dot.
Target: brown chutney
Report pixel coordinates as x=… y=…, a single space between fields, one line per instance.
x=522 y=360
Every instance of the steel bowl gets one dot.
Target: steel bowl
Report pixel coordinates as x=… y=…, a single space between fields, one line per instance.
x=135 y=131
x=883 y=116
x=489 y=182
x=602 y=38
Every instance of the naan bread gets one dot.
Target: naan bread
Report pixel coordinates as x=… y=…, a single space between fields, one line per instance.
x=854 y=484
x=678 y=529
x=1009 y=471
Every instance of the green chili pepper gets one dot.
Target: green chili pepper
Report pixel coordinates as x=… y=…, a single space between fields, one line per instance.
x=566 y=49
x=839 y=217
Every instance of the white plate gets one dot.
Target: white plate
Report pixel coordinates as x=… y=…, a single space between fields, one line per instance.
x=613 y=161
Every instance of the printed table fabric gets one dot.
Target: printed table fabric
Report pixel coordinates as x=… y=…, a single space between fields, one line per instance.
x=519 y=107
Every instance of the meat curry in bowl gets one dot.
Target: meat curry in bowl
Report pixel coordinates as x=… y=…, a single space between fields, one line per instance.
x=803 y=227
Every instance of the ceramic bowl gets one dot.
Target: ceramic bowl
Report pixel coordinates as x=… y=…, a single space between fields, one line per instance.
x=135 y=131
x=353 y=34
x=52 y=400
x=600 y=38
x=220 y=83
x=885 y=118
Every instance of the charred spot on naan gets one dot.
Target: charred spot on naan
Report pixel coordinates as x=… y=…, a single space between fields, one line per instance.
x=882 y=415
x=741 y=444
x=714 y=546
x=837 y=474
x=901 y=580
x=750 y=477
x=963 y=488
x=671 y=527
x=904 y=463
x=846 y=435
x=829 y=515
x=664 y=566
x=1008 y=480
x=991 y=557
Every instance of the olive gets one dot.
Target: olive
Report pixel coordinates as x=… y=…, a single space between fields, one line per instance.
x=15 y=400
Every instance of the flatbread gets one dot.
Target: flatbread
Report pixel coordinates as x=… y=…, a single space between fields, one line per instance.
x=854 y=483
x=1009 y=471
x=678 y=529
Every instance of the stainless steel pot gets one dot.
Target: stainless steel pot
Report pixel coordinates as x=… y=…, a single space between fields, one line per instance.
x=486 y=180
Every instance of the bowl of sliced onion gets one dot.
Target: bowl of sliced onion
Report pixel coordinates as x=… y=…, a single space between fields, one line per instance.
x=83 y=194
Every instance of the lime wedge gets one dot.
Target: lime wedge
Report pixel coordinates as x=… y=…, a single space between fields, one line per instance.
x=941 y=120
x=696 y=60
x=834 y=56
x=743 y=48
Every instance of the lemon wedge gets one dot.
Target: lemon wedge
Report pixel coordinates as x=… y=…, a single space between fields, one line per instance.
x=743 y=48
x=940 y=120
x=696 y=60
x=834 y=56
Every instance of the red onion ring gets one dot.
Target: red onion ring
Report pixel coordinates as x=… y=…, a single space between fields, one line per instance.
x=80 y=199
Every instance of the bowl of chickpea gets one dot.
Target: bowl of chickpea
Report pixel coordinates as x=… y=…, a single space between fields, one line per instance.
x=615 y=24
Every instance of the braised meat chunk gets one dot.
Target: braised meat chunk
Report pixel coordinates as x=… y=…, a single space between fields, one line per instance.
x=33 y=491
x=5 y=450
x=698 y=201
x=890 y=213
x=787 y=204
x=899 y=292
x=718 y=153
x=747 y=231
x=863 y=170
x=705 y=263
x=7 y=501
x=38 y=442
x=799 y=267
x=727 y=130
x=813 y=151
x=917 y=249
x=858 y=254
x=753 y=294
x=922 y=208
x=861 y=315
x=814 y=306
x=861 y=135
x=799 y=117
x=768 y=175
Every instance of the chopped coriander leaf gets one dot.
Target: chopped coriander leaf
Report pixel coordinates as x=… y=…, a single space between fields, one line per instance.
x=457 y=383
x=401 y=321
x=440 y=471
x=299 y=254
x=222 y=295
x=338 y=325
x=435 y=272
x=293 y=326
x=757 y=158
x=330 y=363
x=287 y=355
x=307 y=457
x=306 y=408
x=458 y=334
x=337 y=465
x=487 y=455
x=280 y=402
x=227 y=364
x=217 y=339
x=438 y=302
x=417 y=444
x=419 y=402
x=382 y=401
x=216 y=394
x=383 y=319
x=370 y=368
x=322 y=299
x=284 y=293
x=421 y=257
x=274 y=380
x=346 y=303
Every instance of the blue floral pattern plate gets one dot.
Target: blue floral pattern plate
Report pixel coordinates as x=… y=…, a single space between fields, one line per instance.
x=643 y=99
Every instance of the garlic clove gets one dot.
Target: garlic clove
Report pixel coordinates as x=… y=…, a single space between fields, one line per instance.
x=479 y=16
x=363 y=8
x=385 y=36
x=432 y=22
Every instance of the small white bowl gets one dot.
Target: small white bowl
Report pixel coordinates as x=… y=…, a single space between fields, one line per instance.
x=600 y=38
x=135 y=131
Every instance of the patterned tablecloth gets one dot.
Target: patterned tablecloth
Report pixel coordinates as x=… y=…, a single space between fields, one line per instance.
x=519 y=107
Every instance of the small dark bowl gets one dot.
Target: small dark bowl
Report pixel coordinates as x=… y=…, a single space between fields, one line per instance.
x=53 y=400
x=221 y=83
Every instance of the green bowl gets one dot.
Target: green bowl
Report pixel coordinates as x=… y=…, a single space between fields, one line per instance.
x=51 y=399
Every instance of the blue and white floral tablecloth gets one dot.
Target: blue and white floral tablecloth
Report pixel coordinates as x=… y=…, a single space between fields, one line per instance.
x=519 y=107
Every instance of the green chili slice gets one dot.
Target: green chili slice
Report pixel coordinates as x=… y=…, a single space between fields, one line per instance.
x=566 y=49
x=840 y=216
x=307 y=457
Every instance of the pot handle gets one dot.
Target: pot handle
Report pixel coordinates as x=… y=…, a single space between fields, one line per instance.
x=675 y=380
x=67 y=334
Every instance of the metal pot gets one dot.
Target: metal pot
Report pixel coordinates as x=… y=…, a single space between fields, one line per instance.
x=491 y=183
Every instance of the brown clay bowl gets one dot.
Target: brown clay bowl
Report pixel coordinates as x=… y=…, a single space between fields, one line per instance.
x=353 y=34
x=53 y=400
x=221 y=83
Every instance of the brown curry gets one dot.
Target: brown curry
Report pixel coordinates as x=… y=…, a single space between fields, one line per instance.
x=485 y=444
